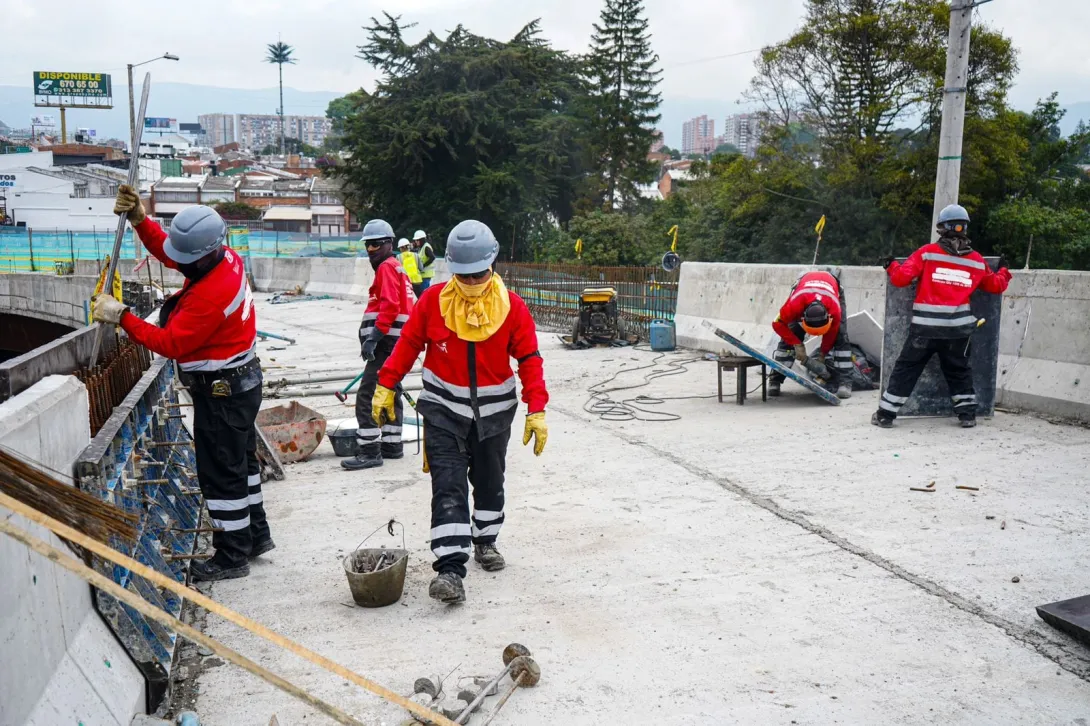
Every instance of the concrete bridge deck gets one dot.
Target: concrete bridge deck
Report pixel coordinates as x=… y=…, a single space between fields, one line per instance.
x=758 y=564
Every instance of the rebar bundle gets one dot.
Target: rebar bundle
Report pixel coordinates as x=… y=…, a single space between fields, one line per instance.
x=109 y=382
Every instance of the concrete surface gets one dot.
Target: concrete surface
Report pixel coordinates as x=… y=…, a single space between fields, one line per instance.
x=59 y=662
x=47 y=296
x=758 y=564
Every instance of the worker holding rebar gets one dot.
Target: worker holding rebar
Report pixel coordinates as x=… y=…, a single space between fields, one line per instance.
x=389 y=303
x=469 y=330
x=210 y=329
x=814 y=307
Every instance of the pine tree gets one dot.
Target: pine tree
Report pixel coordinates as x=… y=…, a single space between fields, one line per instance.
x=624 y=100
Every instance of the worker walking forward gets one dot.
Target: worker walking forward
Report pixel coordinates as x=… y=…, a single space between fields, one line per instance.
x=949 y=271
x=389 y=303
x=470 y=328
x=410 y=262
x=426 y=255
x=210 y=329
x=815 y=307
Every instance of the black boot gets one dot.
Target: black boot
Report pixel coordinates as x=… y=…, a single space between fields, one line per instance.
x=447 y=588
x=359 y=461
x=773 y=388
x=488 y=557
x=968 y=420
x=211 y=570
x=393 y=453
x=882 y=422
x=262 y=547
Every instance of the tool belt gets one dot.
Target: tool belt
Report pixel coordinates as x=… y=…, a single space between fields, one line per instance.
x=226 y=382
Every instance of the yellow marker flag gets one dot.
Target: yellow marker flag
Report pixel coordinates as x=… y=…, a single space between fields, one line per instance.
x=673 y=231
x=101 y=284
x=579 y=247
x=820 y=225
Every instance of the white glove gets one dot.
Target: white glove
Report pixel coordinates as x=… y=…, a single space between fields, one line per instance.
x=800 y=353
x=105 y=309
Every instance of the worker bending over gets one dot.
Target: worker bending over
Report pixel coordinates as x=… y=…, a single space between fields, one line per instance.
x=424 y=251
x=389 y=302
x=815 y=307
x=470 y=328
x=210 y=329
x=410 y=262
x=948 y=272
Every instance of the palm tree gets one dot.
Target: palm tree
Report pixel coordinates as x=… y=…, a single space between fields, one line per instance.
x=280 y=53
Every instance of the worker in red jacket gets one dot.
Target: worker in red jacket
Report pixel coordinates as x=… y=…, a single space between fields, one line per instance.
x=389 y=303
x=949 y=271
x=210 y=329
x=470 y=328
x=814 y=307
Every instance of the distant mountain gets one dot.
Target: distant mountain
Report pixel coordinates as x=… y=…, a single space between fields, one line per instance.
x=181 y=101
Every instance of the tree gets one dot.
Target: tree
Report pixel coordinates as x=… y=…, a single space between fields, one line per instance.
x=672 y=153
x=466 y=127
x=623 y=101
x=280 y=53
x=292 y=146
x=237 y=210
x=338 y=111
x=727 y=149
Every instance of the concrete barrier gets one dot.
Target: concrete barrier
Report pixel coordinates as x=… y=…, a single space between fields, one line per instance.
x=61 y=663
x=56 y=298
x=1044 y=341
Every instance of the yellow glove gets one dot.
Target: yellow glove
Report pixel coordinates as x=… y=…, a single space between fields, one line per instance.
x=382 y=405
x=536 y=428
x=128 y=203
x=105 y=309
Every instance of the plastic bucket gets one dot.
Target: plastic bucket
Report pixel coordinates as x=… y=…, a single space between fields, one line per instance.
x=381 y=587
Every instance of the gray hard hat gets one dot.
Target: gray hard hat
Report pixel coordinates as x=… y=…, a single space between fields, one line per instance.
x=471 y=248
x=377 y=229
x=954 y=213
x=195 y=232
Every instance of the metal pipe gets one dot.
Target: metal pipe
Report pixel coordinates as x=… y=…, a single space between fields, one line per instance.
x=314 y=392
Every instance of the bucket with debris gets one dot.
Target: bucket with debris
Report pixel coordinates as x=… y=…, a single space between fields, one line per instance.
x=376 y=575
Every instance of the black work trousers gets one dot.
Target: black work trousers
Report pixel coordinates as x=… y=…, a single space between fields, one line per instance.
x=228 y=471
x=839 y=362
x=375 y=440
x=456 y=463
x=953 y=356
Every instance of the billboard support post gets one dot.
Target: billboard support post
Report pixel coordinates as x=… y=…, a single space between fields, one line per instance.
x=64 y=128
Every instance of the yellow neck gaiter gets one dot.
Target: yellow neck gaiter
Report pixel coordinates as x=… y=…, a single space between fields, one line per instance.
x=475 y=312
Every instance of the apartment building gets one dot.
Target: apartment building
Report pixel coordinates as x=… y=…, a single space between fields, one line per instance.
x=698 y=136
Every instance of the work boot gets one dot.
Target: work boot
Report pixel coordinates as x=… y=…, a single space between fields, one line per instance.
x=393 y=453
x=773 y=388
x=488 y=557
x=210 y=571
x=447 y=588
x=844 y=391
x=882 y=422
x=262 y=547
x=359 y=461
x=968 y=420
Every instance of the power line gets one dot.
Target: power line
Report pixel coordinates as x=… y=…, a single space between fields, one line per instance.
x=712 y=58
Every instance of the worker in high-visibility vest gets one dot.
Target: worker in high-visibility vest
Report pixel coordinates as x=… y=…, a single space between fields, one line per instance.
x=426 y=255
x=411 y=264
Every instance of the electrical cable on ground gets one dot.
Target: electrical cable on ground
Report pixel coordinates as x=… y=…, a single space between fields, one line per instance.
x=631 y=409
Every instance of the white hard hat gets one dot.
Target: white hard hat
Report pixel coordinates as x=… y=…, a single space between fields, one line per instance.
x=420 y=234
x=402 y=243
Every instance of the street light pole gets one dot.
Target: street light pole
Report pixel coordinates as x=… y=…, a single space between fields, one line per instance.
x=132 y=102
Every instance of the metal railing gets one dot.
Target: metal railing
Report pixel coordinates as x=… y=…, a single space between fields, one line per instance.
x=552 y=291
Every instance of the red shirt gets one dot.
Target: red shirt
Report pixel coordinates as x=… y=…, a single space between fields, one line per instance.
x=390 y=299
x=821 y=287
x=469 y=382
x=947 y=281
x=212 y=326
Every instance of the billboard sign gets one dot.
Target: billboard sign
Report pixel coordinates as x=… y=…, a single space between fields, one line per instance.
x=76 y=90
x=7 y=181
x=48 y=121
x=155 y=122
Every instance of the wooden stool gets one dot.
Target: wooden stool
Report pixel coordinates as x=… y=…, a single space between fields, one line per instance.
x=740 y=363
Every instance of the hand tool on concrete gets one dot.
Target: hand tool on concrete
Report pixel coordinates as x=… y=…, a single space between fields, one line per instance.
x=511 y=653
x=342 y=395
x=526 y=673
x=263 y=335
x=133 y=180
x=197 y=598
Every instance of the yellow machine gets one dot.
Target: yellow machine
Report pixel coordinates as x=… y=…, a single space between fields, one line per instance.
x=599 y=322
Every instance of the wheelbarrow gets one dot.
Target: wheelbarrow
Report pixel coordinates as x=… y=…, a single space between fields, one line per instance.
x=294 y=430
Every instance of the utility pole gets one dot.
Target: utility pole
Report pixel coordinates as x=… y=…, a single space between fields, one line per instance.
x=948 y=175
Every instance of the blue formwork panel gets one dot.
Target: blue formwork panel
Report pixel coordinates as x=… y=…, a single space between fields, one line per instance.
x=142 y=461
x=931 y=397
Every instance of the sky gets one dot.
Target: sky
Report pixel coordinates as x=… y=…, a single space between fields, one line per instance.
x=222 y=43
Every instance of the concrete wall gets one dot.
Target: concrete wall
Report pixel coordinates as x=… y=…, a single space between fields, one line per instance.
x=59 y=299
x=59 y=662
x=1043 y=340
